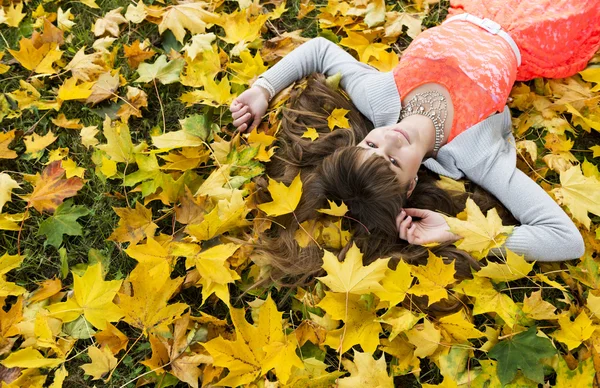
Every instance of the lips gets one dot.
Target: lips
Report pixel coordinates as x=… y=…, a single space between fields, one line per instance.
x=403 y=133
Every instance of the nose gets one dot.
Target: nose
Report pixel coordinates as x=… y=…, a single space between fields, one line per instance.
x=392 y=139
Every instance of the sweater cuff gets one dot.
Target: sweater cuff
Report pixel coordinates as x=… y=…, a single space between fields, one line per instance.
x=279 y=76
x=263 y=83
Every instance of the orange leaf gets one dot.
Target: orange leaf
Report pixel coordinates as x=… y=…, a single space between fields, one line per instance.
x=51 y=189
x=136 y=54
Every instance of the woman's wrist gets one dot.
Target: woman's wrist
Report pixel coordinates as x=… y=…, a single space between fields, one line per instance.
x=265 y=87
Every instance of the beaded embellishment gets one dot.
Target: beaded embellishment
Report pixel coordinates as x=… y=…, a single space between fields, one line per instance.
x=430 y=104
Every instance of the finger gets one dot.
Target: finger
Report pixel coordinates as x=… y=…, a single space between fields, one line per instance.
x=235 y=106
x=242 y=128
x=235 y=115
x=255 y=122
x=421 y=213
x=400 y=218
x=410 y=235
x=241 y=120
x=404 y=227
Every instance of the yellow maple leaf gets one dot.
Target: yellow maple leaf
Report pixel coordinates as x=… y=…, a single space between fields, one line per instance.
x=433 y=279
x=239 y=27
x=365 y=371
x=537 y=308
x=7 y=184
x=580 y=194
x=458 y=328
x=479 y=233
x=30 y=358
x=213 y=268
x=361 y=325
x=285 y=199
x=152 y=255
x=337 y=118
x=334 y=209
x=118 y=141
x=488 y=300
x=64 y=19
x=311 y=134
x=205 y=66
x=92 y=297
x=102 y=363
x=134 y=224
x=425 y=337
x=214 y=94
x=228 y=214
x=515 y=268
x=396 y=21
x=592 y=74
x=104 y=88
x=62 y=121
x=147 y=307
x=7 y=263
x=28 y=55
x=71 y=89
x=36 y=143
x=14 y=15
x=363 y=46
x=387 y=61
x=198 y=44
x=186 y=16
x=573 y=333
x=256 y=349
x=400 y=319
x=86 y=67
x=396 y=284
x=249 y=69
x=5 y=139
x=350 y=276
x=109 y=23
x=582 y=376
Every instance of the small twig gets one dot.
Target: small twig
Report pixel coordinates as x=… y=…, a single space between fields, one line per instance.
x=20 y=229
x=305 y=231
x=162 y=110
x=122 y=358
x=32 y=128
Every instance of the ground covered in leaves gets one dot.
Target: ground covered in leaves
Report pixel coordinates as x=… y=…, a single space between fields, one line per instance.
x=126 y=206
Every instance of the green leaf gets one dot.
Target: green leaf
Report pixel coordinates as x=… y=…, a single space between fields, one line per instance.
x=64 y=221
x=166 y=73
x=198 y=125
x=523 y=351
x=64 y=263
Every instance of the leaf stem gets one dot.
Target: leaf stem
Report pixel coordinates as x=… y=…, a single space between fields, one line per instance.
x=162 y=109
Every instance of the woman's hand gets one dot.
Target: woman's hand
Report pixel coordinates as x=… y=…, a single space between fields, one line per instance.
x=249 y=107
x=431 y=228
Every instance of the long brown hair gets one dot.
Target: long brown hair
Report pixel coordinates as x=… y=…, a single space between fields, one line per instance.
x=332 y=169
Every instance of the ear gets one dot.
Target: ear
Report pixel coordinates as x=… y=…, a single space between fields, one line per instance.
x=411 y=187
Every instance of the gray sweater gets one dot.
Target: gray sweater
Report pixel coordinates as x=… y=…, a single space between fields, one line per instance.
x=485 y=153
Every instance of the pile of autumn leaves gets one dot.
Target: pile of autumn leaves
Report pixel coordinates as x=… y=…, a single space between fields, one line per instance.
x=214 y=210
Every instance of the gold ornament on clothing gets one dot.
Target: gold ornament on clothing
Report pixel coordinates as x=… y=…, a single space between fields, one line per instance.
x=430 y=104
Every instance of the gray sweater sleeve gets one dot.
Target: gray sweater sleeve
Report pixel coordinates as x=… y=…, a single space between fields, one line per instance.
x=374 y=93
x=486 y=154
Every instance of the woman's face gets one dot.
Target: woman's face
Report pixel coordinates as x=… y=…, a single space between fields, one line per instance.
x=398 y=144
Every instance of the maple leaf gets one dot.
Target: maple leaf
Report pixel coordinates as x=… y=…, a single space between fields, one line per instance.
x=92 y=297
x=396 y=21
x=152 y=255
x=256 y=349
x=433 y=279
x=13 y=16
x=479 y=234
x=228 y=214
x=580 y=377
x=334 y=209
x=7 y=263
x=425 y=337
x=51 y=189
x=104 y=88
x=363 y=46
x=515 y=268
x=12 y=221
x=5 y=139
x=350 y=276
x=387 y=61
x=400 y=319
x=249 y=69
x=62 y=121
x=458 y=328
x=579 y=193
x=214 y=94
x=119 y=146
x=366 y=371
x=522 y=351
x=337 y=118
x=134 y=224
x=136 y=99
x=7 y=184
x=361 y=325
x=86 y=67
x=137 y=54
x=64 y=221
x=136 y=14
x=488 y=300
x=239 y=28
x=109 y=23
x=311 y=134
x=147 y=307
x=102 y=363
x=573 y=333
x=72 y=89
x=65 y=19
x=166 y=73
x=112 y=338
x=396 y=284
x=285 y=198
x=198 y=70
x=36 y=143
x=536 y=308
x=186 y=16
x=30 y=358
x=198 y=44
